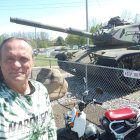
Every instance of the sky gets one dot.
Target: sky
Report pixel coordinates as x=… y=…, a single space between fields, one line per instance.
x=63 y=13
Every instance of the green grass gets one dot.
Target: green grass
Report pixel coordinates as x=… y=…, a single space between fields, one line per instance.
x=43 y=60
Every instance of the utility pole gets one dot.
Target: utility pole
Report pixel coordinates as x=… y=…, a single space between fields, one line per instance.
x=35 y=39
x=87 y=27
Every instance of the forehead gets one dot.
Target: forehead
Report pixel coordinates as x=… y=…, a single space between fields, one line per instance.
x=16 y=45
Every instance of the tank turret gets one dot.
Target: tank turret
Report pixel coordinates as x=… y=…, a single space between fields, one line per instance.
x=115 y=45
x=116 y=33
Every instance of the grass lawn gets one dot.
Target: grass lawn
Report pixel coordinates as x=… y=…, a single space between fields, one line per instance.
x=43 y=60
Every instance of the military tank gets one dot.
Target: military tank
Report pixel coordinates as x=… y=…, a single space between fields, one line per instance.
x=115 y=45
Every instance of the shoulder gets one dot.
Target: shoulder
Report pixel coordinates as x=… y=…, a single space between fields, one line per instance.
x=36 y=83
x=4 y=90
x=2 y=86
x=38 y=86
x=40 y=89
x=5 y=94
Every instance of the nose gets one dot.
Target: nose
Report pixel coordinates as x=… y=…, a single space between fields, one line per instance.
x=16 y=64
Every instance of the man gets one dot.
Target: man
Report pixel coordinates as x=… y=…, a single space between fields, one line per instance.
x=25 y=109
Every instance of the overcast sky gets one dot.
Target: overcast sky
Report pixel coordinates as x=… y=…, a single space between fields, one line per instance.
x=63 y=13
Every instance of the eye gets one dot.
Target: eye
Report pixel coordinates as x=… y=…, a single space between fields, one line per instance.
x=24 y=59
x=9 y=59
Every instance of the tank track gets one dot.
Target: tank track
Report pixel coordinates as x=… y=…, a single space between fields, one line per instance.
x=129 y=62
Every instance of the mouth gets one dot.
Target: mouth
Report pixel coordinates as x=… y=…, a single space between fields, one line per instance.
x=17 y=73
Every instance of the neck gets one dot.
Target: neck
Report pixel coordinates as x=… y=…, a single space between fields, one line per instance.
x=22 y=89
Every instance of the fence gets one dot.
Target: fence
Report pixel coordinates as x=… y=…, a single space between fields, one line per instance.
x=113 y=87
x=104 y=83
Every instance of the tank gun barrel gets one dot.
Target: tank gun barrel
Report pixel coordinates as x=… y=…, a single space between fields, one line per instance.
x=50 y=27
x=114 y=36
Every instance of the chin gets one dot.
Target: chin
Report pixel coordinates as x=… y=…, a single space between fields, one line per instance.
x=19 y=79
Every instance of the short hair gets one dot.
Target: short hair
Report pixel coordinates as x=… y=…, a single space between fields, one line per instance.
x=13 y=38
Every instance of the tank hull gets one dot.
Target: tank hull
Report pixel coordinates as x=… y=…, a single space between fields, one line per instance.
x=108 y=64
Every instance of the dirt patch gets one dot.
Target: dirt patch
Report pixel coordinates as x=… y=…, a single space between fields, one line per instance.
x=59 y=108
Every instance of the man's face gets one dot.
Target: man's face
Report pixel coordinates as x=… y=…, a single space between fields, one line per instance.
x=16 y=61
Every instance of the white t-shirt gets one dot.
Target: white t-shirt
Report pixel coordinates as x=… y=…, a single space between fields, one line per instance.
x=28 y=117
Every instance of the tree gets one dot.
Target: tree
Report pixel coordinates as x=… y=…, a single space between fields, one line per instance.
x=40 y=40
x=94 y=28
x=81 y=40
x=3 y=36
x=75 y=40
x=59 y=41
